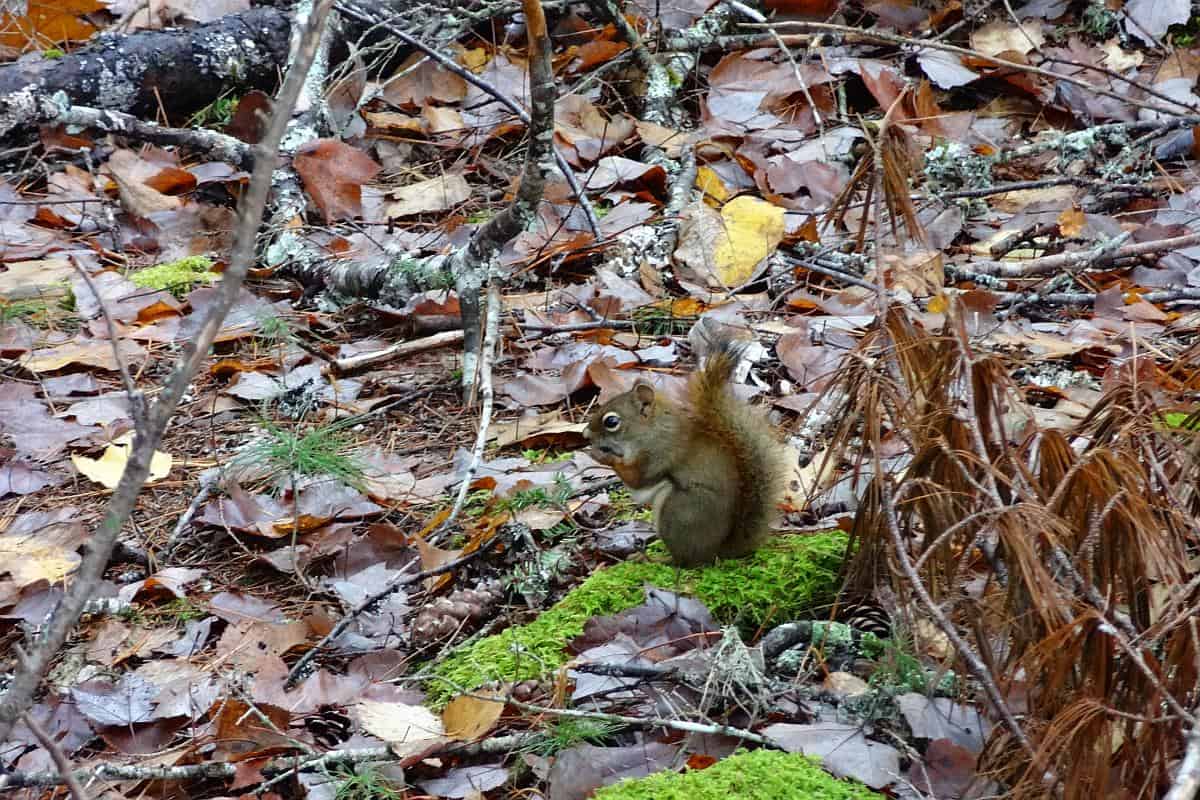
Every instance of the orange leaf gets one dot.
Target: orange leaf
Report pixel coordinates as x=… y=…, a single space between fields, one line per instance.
x=49 y=23
x=1071 y=222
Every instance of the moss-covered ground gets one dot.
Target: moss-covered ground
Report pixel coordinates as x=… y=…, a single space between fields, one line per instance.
x=776 y=584
x=760 y=775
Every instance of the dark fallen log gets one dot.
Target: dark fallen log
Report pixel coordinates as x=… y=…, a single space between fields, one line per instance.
x=179 y=70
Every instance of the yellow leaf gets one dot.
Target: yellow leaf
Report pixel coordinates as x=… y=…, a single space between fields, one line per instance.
x=937 y=304
x=474 y=59
x=467 y=718
x=711 y=184
x=28 y=558
x=110 y=466
x=753 y=228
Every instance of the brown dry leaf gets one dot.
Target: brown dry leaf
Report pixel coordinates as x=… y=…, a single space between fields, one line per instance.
x=107 y=469
x=394 y=121
x=333 y=173
x=45 y=277
x=548 y=429
x=424 y=197
x=137 y=197
x=432 y=558
x=1002 y=35
x=467 y=718
x=440 y=121
x=422 y=81
x=1015 y=201
x=670 y=140
x=28 y=557
x=84 y=352
x=921 y=273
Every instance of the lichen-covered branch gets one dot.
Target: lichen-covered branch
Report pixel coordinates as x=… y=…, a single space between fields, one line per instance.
x=185 y=69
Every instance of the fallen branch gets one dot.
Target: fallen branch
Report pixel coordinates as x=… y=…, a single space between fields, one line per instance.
x=32 y=106
x=42 y=647
x=1080 y=259
x=190 y=68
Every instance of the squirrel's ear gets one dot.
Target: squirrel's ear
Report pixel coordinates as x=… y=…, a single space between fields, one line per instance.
x=643 y=393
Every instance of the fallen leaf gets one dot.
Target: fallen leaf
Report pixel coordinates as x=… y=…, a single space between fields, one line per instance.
x=408 y=729
x=467 y=718
x=424 y=197
x=108 y=469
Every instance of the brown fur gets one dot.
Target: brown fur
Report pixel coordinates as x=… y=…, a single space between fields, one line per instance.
x=714 y=473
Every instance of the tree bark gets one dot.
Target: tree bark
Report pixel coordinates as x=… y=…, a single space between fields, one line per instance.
x=176 y=70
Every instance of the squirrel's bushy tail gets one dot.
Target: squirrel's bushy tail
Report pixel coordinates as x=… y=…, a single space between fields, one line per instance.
x=750 y=440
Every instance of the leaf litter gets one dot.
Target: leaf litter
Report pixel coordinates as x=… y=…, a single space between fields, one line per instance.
x=1082 y=374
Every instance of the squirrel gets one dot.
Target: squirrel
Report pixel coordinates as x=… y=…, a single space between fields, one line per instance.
x=713 y=472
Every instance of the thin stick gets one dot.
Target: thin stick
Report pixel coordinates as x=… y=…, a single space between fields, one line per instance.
x=45 y=645
x=57 y=756
x=895 y=39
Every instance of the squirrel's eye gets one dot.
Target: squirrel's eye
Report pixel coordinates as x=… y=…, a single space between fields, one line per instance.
x=611 y=421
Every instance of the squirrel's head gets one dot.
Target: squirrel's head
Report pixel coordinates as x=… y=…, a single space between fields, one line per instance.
x=616 y=429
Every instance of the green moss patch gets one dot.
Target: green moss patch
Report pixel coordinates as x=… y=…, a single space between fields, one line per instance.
x=776 y=584
x=177 y=277
x=760 y=775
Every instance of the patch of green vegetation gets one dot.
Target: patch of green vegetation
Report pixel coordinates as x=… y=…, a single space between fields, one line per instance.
x=365 y=783
x=216 y=114
x=181 y=610
x=53 y=53
x=176 y=277
x=535 y=456
x=1100 y=22
x=28 y=310
x=777 y=583
x=659 y=320
x=566 y=732
x=481 y=216
x=757 y=775
x=274 y=329
x=1180 y=420
x=320 y=451
x=625 y=508
x=898 y=670
x=539 y=496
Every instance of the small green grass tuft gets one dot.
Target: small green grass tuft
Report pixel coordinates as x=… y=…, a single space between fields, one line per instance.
x=32 y=311
x=566 y=732
x=274 y=329
x=757 y=775
x=53 y=53
x=216 y=114
x=176 y=277
x=320 y=451
x=365 y=783
x=776 y=584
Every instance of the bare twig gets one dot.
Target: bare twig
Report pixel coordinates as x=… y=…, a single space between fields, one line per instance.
x=1081 y=258
x=349 y=9
x=57 y=756
x=852 y=33
x=44 y=646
